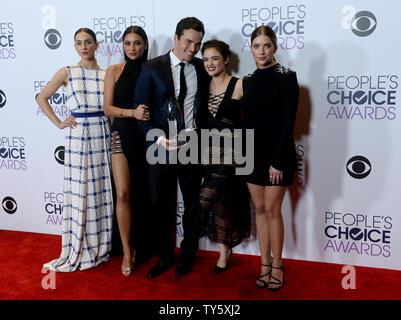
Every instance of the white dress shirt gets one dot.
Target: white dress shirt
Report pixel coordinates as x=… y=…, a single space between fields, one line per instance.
x=192 y=86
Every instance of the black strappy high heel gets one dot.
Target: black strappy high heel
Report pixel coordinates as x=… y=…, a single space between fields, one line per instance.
x=265 y=284
x=276 y=282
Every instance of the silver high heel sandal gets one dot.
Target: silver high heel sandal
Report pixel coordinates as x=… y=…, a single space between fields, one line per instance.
x=127 y=271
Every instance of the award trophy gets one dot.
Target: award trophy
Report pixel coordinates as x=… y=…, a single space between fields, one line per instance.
x=175 y=123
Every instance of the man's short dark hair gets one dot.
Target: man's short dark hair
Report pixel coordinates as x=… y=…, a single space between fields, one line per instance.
x=189 y=23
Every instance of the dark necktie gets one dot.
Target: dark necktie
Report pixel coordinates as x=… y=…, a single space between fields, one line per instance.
x=183 y=89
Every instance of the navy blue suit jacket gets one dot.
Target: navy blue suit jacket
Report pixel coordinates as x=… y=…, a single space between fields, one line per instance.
x=155 y=88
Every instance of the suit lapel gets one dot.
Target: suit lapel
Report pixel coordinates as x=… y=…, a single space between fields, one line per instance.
x=200 y=93
x=165 y=69
x=198 y=72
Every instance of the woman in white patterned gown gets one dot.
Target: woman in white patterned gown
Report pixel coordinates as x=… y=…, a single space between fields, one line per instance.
x=88 y=207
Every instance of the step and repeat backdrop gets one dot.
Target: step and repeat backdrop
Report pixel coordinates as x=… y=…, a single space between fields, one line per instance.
x=344 y=206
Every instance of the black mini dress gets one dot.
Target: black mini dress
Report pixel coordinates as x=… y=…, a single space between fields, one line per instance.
x=270 y=105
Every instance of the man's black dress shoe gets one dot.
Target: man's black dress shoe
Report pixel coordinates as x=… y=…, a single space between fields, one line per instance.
x=184 y=266
x=160 y=267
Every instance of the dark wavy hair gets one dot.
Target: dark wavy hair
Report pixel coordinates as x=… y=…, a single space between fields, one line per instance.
x=88 y=31
x=220 y=46
x=140 y=32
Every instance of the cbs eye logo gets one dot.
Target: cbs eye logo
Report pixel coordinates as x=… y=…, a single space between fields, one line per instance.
x=59 y=154
x=363 y=23
x=9 y=205
x=52 y=39
x=359 y=167
x=3 y=99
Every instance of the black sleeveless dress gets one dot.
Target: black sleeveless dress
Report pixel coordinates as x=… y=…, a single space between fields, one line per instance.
x=224 y=198
x=133 y=145
x=270 y=103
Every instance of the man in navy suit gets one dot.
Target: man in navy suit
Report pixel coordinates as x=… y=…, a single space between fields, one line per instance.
x=177 y=78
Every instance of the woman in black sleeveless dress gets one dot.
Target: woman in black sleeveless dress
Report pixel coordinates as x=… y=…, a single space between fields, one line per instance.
x=224 y=199
x=270 y=104
x=130 y=169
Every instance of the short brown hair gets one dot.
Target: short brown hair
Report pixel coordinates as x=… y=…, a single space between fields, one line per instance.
x=189 y=23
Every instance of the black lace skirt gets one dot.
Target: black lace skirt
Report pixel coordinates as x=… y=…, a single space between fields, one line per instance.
x=224 y=206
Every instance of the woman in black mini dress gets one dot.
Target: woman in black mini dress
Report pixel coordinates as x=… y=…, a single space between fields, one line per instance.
x=128 y=149
x=270 y=104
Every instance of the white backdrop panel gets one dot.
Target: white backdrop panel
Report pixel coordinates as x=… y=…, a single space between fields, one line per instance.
x=345 y=54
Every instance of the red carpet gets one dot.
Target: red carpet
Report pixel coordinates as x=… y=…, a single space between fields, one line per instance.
x=22 y=255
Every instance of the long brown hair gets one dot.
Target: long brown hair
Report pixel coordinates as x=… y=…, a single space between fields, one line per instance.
x=140 y=32
x=265 y=31
x=88 y=31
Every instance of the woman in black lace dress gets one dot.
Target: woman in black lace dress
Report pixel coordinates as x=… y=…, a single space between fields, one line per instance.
x=130 y=169
x=224 y=199
x=270 y=102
